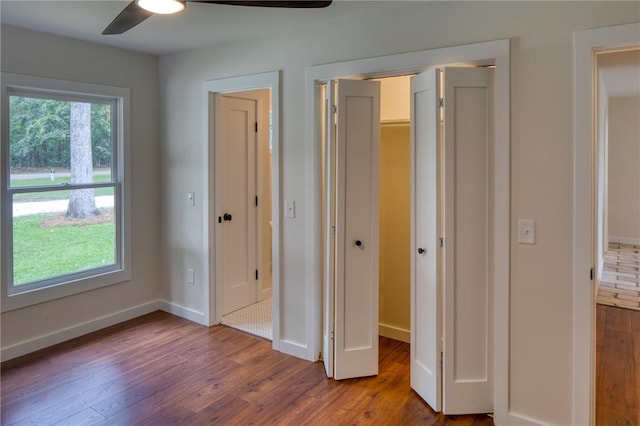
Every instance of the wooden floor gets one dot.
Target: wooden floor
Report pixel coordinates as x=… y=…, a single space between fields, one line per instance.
x=160 y=369
x=617 y=366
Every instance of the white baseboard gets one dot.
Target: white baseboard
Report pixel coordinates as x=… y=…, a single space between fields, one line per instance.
x=395 y=333
x=520 y=420
x=78 y=330
x=293 y=349
x=182 y=312
x=625 y=240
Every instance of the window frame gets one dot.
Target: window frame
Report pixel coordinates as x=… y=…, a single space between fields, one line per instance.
x=79 y=281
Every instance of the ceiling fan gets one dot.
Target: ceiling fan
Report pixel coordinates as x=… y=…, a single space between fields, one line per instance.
x=139 y=10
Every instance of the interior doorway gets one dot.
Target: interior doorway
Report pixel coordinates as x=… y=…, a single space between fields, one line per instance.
x=586 y=218
x=257 y=210
x=617 y=278
x=495 y=52
x=618 y=178
x=450 y=198
x=395 y=205
x=243 y=201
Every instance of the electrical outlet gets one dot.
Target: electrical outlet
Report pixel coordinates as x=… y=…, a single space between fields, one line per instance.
x=191 y=276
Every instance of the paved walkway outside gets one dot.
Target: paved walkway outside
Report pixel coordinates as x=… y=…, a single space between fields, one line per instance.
x=44 y=175
x=53 y=206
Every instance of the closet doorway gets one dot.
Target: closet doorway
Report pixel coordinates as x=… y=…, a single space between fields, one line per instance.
x=450 y=200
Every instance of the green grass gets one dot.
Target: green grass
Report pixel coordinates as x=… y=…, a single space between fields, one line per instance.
x=55 y=195
x=41 y=252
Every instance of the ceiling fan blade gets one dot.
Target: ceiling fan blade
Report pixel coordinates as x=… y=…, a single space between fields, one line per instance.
x=130 y=16
x=294 y=4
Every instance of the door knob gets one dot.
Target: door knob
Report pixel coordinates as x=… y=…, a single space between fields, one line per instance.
x=358 y=243
x=421 y=250
x=227 y=217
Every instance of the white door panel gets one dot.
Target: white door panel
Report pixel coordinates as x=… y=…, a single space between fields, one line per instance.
x=426 y=310
x=236 y=151
x=468 y=310
x=357 y=170
x=329 y=223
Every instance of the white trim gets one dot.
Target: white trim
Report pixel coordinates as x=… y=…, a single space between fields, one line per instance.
x=520 y=420
x=267 y=80
x=78 y=330
x=393 y=332
x=294 y=349
x=183 y=312
x=496 y=52
x=585 y=44
x=625 y=240
x=83 y=280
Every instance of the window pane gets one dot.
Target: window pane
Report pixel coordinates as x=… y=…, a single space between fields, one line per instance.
x=53 y=142
x=48 y=241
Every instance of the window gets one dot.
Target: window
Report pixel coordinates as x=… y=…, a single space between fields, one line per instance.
x=65 y=209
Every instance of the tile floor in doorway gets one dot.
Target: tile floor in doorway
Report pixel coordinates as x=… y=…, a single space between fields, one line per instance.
x=254 y=319
x=620 y=281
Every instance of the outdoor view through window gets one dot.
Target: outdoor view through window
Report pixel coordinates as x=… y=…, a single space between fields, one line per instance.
x=62 y=188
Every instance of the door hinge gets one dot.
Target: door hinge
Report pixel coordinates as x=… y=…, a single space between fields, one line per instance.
x=441 y=102
x=256 y=274
x=334 y=109
x=592 y=272
x=333 y=230
x=332 y=335
x=256 y=126
x=256 y=201
x=441 y=360
x=441 y=242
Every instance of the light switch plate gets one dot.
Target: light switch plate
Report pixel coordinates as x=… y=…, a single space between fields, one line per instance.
x=526 y=231
x=290 y=209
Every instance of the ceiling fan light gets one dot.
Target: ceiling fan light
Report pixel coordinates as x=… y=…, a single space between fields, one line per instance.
x=164 y=7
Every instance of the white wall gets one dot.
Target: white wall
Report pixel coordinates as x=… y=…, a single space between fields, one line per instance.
x=26 y=52
x=624 y=169
x=541 y=164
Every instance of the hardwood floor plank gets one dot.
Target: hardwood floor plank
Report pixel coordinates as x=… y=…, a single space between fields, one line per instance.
x=85 y=418
x=49 y=394
x=163 y=372
x=617 y=366
x=160 y=369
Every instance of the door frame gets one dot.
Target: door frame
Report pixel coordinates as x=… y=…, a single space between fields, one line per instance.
x=586 y=44
x=267 y=80
x=491 y=52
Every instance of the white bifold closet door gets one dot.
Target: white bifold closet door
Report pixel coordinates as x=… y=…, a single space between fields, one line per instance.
x=452 y=246
x=452 y=235
x=352 y=227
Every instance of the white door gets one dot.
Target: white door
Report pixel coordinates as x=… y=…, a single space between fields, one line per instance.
x=236 y=208
x=468 y=243
x=451 y=289
x=329 y=223
x=356 y=238
x=426 y=312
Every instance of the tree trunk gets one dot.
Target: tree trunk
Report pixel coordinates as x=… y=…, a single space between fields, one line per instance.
x=82 y=203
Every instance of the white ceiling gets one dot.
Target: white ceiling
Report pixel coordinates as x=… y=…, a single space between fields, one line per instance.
x=621 y=73
x=199 y=25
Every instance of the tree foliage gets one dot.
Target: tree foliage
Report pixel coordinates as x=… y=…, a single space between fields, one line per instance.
x=40 y=133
